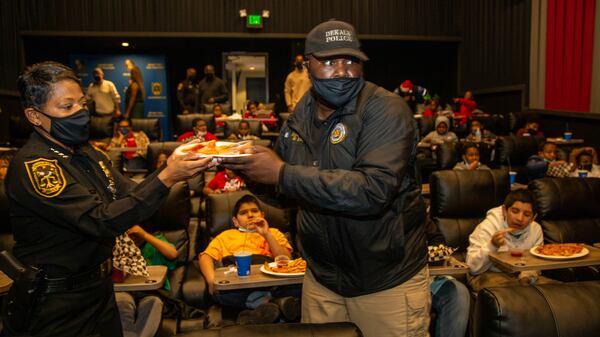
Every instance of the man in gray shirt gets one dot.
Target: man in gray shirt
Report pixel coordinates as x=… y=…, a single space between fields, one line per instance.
x=211 y=89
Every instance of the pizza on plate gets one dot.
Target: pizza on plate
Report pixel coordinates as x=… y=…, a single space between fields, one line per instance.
x=217 y=148
x=560 y=249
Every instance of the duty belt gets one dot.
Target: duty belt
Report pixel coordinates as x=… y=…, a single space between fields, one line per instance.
x=62 y=284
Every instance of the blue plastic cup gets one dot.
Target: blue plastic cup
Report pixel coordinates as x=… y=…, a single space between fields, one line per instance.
x=243 y=260
x=582 y=173
x=512 y=177
x=568 y=136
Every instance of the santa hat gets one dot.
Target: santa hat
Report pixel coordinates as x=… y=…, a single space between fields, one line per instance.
x=406 y=86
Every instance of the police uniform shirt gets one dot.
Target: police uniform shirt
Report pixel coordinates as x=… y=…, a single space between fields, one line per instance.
x=187 y=94
x=62 y=210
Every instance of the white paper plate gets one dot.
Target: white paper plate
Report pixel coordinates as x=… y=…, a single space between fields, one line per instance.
x=582 y=253
x=180 y=150
x=273 y=265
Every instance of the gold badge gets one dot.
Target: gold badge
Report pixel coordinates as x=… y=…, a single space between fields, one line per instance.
x=296 y=138
x=156 y=88
x=46 y=177
x=338 y=134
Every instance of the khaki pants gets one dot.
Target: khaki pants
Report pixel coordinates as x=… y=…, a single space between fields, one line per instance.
x=399 y=311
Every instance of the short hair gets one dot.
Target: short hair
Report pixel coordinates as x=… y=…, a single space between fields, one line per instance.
x=583 y=153
x=35 y=84
x=523 y=196
x=196 y=120
x=543 y=145
x=246 y=199
x=244 y=122
x=468 y=146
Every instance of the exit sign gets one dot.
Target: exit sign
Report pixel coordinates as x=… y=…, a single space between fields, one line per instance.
x=254 y=21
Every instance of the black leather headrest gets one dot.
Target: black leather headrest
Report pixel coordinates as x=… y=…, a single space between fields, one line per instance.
x=447 y=156
x=150 y=126
x=255 y=127
x=20 y=129
x=566 y=309
x=5 y=226
x=515 y=150
x=159 y=147
x=558 y=198
x=467 y=194
x=174 y=212
x=101 y=127
x=219 y=208
x=184 y=122
x=208 y=108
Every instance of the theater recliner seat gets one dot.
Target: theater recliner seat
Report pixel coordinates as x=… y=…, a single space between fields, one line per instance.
x=184 y=123
x=342 y=329
x=549 y=310
x=569 y=212
x=461 y=199
x=150 y=126
x=513 y=152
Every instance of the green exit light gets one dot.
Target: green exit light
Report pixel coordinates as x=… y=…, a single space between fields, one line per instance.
x=254 y=21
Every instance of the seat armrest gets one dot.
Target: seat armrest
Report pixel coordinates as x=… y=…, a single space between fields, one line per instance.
x=195 y=289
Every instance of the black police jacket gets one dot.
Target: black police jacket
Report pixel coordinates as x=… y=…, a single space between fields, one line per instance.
x=62 y=210
x=361 y=215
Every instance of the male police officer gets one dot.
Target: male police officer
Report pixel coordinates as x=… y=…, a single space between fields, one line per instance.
x=67 y=205
x=187 y=93
x=347 y=156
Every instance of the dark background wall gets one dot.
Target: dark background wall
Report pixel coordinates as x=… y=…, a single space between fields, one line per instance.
x=447 y=46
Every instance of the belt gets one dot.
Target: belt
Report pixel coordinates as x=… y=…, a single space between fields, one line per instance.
x=62 y=284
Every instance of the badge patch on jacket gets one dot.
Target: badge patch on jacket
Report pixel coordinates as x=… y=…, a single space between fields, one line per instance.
x=296 y=138
x=46 y=177
x=338 y=134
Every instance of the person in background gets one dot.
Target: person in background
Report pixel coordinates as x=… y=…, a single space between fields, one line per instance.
x=450 y=299
x=135 y=95
x=544 y=163
x=187 y=92
x=433 y=108
x=68 y=204
x=470 y=158
x=585 y=158
x=217 y=112
x=211 y=89
x=441 y=134
x=104 y=94
x=296 y=84
x=142 y=318
x=479 y=133
x=531 y=128
x=506 y=227
x=251 y=113
x=466 y=107
x=161 y=159
x=224 y=181
x=252 y=234
x=405 y=90
x=199 y=131
x=244 y=132
x=126 y=137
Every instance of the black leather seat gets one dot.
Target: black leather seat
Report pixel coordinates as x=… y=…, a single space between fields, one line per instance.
x=461 y=199
x=101 y=128
x=19 y=129
x=226 y=107
x=150 y=126
x=569 y=211
x=184 y=122
x=513 y=152
x=7 y=240
x=342 y=329
x=549 y=310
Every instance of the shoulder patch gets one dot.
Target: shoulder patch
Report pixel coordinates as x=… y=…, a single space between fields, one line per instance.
x=180 y=86
x=46 y=177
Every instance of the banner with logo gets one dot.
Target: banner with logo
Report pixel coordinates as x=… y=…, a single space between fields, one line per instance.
x=154 y=75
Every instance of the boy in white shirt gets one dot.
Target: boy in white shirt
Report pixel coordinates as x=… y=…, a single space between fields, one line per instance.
x=505 y=227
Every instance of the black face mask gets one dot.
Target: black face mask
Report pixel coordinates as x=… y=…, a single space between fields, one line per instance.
x=337 y=92
x=191 y=78
x=298 y=65
x=72 y=130
x=210 y=76
x=97 y=78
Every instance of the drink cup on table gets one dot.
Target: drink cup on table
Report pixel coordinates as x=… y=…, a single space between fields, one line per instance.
x=582 y=173
x=512 y=177
x=568 y=136
x=243 y=260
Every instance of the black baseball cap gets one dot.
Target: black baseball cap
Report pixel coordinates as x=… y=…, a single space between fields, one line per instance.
x=332 y=38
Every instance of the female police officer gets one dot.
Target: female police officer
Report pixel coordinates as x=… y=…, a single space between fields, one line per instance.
x=67 y=205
